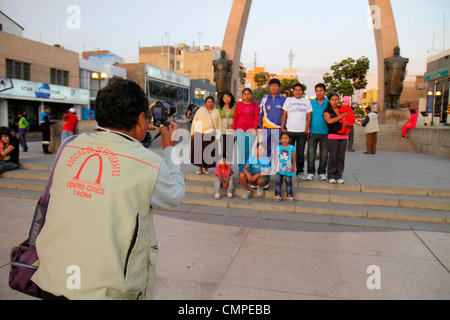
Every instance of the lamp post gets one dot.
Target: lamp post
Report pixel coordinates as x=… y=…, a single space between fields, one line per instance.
x=200 y=94
x=99 y=76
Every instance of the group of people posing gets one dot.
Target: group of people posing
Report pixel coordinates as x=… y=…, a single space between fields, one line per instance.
x=277 y=131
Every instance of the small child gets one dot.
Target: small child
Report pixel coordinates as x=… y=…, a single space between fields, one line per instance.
x=285 y=160
x=256 y=172
x=350 y=119
x=223 y=179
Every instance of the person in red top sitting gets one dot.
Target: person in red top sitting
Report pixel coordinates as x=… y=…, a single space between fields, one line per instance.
x=350 y=119
x=223 y=179
x=70 y=121
x=411 y=123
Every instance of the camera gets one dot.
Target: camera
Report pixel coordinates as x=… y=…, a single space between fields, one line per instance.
x=162 y=111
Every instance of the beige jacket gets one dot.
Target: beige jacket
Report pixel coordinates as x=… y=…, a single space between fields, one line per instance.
x=99 y=241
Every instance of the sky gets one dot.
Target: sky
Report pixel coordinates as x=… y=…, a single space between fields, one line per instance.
x=319 y=33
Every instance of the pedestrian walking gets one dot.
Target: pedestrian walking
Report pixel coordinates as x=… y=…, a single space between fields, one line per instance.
x=23 y=126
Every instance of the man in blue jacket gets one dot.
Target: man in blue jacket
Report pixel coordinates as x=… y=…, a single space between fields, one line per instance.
x=271 y=110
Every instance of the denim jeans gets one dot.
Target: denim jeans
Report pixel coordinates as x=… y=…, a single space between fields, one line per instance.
x=245 y=141
x=23 y=141
x=65 y=134
x=322 y=140
x=288 y=179
x=7 y=166
x=218 y=185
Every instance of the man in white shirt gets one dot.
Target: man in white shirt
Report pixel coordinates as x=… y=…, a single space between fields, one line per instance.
x=296 y=120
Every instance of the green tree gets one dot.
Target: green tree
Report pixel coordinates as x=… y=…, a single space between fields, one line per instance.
x=259 y=93
x=260 y=79
x=287 y=86
x=347 y=76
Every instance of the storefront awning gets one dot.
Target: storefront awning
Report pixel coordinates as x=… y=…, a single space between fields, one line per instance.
x=36 y=91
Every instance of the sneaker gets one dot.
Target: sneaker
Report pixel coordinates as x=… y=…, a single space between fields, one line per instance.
x=332 y=181
x=266 y=187
x=277 y=198
x=290 y=199
x=253 y=186
x=309 y=177
x=247 y=195
x=259 y=191
x=323 y=177
x=229 y=195
x=340 y=181
x=217 y=195
x=301 y=176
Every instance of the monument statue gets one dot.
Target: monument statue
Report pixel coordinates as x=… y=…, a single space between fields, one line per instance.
x=394 y=74
x=223 y=70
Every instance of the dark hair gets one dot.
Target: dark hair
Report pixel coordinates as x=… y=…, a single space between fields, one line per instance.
x=332 y=95
x=368 y=109
x=320 y=85
x=412 y=111
x=209 y=97
x=119 y=104
x=275 y=81
x=232 y=102
x=262 y=144
x=299 y=85
x=285 y=134
x=247 y=89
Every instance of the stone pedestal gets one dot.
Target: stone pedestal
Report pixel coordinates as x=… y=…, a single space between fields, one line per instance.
x=397 y=117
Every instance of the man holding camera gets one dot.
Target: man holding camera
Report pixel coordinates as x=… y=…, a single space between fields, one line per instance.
x=103 y=246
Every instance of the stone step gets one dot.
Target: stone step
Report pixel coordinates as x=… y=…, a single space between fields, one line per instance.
x=340 y=197
x=287 y=211
x=324 y=185
x=22 y=184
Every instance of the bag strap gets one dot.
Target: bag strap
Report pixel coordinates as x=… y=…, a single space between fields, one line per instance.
x=41 y=207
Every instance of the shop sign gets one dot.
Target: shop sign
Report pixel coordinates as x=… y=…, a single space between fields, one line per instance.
x=16 y=89
x=437 y=74
x=169 y=76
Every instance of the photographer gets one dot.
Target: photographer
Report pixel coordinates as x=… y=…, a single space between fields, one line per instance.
x=111 y=183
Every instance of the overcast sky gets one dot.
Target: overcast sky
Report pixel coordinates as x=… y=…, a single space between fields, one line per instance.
x=318 y=32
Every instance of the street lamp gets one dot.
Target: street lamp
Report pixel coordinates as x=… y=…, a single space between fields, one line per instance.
x=199 y=93
x=99 y=76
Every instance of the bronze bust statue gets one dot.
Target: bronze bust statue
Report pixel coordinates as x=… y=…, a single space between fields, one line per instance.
x=394 y=74
x=223 y=69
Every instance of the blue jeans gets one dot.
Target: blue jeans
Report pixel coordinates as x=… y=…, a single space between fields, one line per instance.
x=288 y=179
x=65 y=134
x=245 y=141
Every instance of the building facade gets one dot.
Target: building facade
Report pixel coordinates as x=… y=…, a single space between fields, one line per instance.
x=437 y=80
x=161 y=84
x=33 y=74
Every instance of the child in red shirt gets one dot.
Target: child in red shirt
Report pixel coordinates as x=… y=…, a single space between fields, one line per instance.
x=223 y=179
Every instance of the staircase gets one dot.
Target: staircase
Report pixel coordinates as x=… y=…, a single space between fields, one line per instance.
x=388 y=139
x=314 y=200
